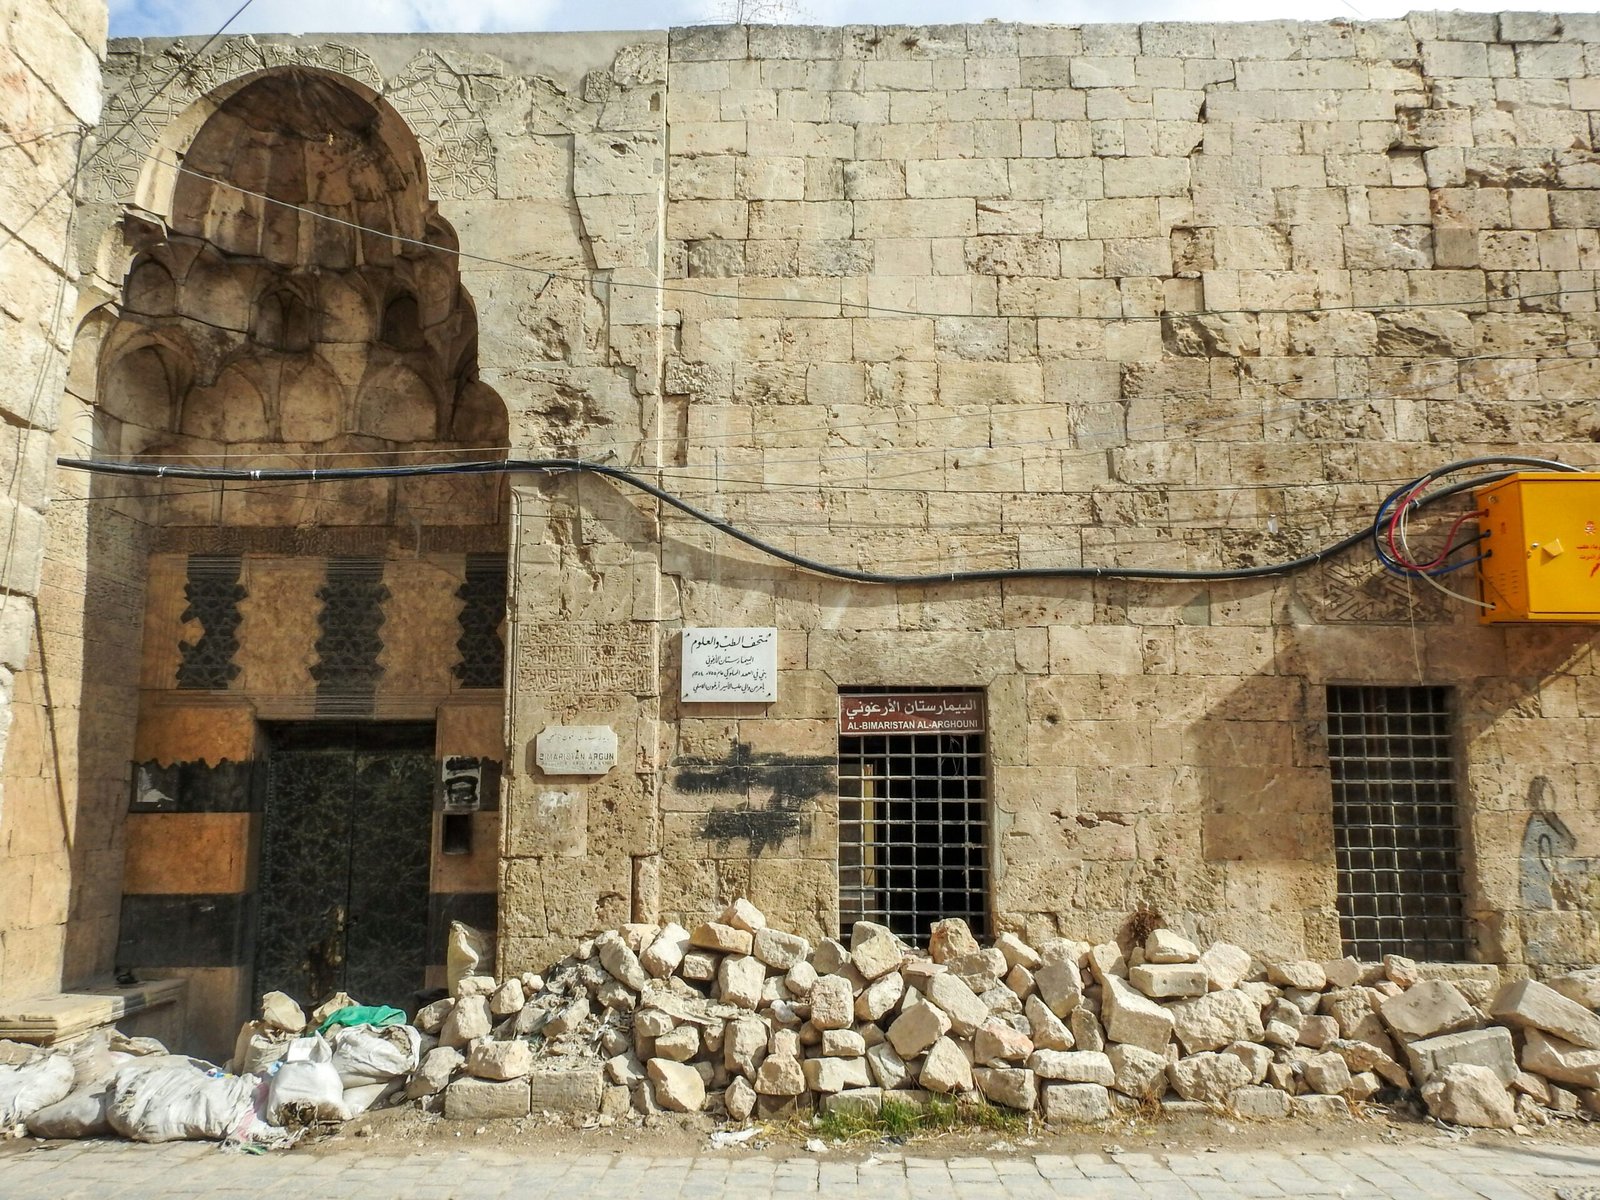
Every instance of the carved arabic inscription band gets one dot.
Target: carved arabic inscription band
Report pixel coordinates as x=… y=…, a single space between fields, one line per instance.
x=911 y=712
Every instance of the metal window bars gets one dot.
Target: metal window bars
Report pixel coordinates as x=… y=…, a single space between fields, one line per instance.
x=913 y=831
x=1396 y=825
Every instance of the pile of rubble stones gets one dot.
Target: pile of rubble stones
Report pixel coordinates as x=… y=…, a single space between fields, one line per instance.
x=737 y=1018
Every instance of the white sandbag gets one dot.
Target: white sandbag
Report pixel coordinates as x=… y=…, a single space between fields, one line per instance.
x=364 y=1055
x=94 y=1061
x=25 y=1090
x=358 y=1100
x=258 y=1046
x=302 y=1092
x=166 y=1104
x=313 y=1049
x=84 y=1113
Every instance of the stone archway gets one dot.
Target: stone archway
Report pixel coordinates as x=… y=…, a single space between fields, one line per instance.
x=299 y=302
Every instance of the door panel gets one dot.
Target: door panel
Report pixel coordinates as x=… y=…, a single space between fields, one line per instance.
x=345 y=863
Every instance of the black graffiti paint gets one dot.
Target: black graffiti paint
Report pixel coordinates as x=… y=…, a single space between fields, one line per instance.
x=794 y=781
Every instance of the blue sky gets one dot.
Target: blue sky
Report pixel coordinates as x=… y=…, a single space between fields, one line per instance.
x=145 y=18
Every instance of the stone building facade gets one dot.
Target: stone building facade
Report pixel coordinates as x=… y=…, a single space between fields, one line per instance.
x=904 y=300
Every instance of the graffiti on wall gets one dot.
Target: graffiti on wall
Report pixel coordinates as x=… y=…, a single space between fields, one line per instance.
x=1552 y=875
x=793 y=783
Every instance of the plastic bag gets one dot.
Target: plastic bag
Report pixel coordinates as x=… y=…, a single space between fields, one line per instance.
x=302 y=1092
x=466 y=948
x=364 y=1056
x=166 y=1104
x=84 y=1113
x=358 y=1100
x=94 y=1061
x=313 y=1049
x=25 y=1090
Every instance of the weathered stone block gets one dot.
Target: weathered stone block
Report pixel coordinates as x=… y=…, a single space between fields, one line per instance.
x=469 y=1099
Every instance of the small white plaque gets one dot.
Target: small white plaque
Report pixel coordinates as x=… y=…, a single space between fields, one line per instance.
x=576 y=749
x=725 y=666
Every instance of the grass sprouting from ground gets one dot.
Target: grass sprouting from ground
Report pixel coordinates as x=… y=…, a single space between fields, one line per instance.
x=900 y=1119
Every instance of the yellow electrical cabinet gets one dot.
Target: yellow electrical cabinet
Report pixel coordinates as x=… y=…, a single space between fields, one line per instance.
x=1542 y=538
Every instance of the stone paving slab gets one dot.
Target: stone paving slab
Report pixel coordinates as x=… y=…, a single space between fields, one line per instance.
x=126 y=1171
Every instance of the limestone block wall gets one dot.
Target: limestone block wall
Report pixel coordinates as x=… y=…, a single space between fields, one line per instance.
x=50 y=56
x=1180 y=296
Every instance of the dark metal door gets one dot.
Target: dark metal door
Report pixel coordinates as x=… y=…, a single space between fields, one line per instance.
x=344 y=865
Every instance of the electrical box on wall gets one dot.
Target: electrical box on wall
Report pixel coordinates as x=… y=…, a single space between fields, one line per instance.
x=1542 y=546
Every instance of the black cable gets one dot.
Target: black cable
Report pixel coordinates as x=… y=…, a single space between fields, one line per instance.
x=561 y=466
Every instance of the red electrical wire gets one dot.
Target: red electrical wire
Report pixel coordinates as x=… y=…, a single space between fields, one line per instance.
x=1450 y=537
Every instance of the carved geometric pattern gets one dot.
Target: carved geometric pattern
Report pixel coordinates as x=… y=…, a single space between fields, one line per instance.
x=213 y=592
x=587 y=658
x=347 y=669
x=434 y=101
x=483 y=608
x=1357 y=591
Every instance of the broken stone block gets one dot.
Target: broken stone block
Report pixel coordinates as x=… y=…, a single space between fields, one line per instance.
x=741 y=914
x=653 y=1023
x=949 y=938
x=1319 y=1108
x=1363 y=1086
x=1060 y=986
x=725 y=939
x=1255 y=1058
x=469 y=1099
x=802 y=977
x=1020 y=980
x=780 y=950
x=614 y=994
x=1208 y=1078
x=1076 y=1103
x=979 y=971
x=843 y=1043
x=507 y=1000
x=1161 y=981
x=739 y=1100
x=569 y=1087
x=431 y=1078
x=854 y=1102
x=739 y=980
x=499 y=1060
x=699 y=966
x=678 y=1087
x=1317 y=1032
x=1137 y=1072
x=1529 y=1003
x=1427 y=1010
x=1344 y=972
x=1326 y=1074
x=1047 y=1030
x=1014 y=1087
x=1259 y=1103
x=468 y=1019
x=946 y=1068
x=566 y=1020
x=1489 y=1048
x=1560 y=1060
x=1301 y=973
x=887 y=1067
x=682 y=1044
x=666 y=951
x=1363 y=1056
x=1017 y=952
x=1087 y=1033
x=744 y=1045
x=1225 y=965
x=1134 y=1018
x=874 y=950
x=960 y=1004
x=1072 y=1066
x=1582 y=986
x=833 y=1002
x=835 y=1074
x=625 y=1070
x=997 y=1043
x=830 y=957
x=1106 y=960
x=879 y=998
x=780 y=1075
x=1165 y=946
x=1400 y=970
x=1212 y=1021
x=620 y=962
x=430 y=1017
x=1001 y=1001
x=1463 y=1094
x=917 y=1028
x=467 y=985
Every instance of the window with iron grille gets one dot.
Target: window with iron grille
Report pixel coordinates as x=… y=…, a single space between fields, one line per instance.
x=1396 y=826
x=913 y=810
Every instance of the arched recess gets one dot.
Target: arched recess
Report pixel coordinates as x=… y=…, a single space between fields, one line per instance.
x=299 y=302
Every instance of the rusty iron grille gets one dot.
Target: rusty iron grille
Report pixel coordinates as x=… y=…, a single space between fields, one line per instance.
x=1396 y=825
x=913 y=831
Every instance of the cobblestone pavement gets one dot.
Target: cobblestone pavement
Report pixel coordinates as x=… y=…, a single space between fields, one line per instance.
x=1462 y=1171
